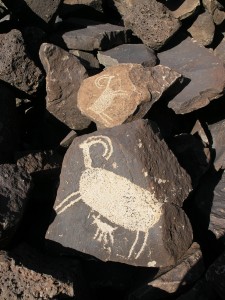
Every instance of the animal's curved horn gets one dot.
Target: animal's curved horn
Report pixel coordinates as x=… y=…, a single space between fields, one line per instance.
x=99 y=79
x=98 y=139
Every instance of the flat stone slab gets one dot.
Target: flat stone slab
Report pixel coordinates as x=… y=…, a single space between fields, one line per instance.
x=185 y=9
x=219 y=51
x=123 y=93
x=15 y=184
x=217 y=131
x=101 y=37
x=151 y=21
x=16 y=68
x=128 y=53
x=190 y=266
x=64 y=74
x=121 y=190
x=205 y=75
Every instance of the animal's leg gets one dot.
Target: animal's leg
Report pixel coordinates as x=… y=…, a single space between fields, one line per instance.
x=143 y=246
x=58 y=211
x=134 y=244
x=66 y=199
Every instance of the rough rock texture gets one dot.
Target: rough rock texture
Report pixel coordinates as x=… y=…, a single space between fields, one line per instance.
x=117 y=190
x=28 y=275
x=16 y=67
x=65 y=74
x=123 y=93
x=205 y=75
x=215 y=276
x=216 y=9
x=15 y=185
x=8 y=124
x=39 y=161
x=217 y=214
x=217 y=131
x=186 y=272
x=203 y=29
x=101 y=37
x=128 y=53
x=151 y=21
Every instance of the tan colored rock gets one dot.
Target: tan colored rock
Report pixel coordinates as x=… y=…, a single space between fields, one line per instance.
x=203 y=29
x=123 y=92
x=218 y=16
x=186 y=9
x=210 y=5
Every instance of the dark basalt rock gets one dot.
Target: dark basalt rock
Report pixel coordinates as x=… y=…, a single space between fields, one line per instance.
x=15 y=185
x=204 y=73
x=16 y=68
x=65 y=74
x=120 y=188
x=151 y=21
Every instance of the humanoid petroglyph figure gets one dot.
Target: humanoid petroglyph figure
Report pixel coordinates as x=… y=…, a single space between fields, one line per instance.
x=114 y=197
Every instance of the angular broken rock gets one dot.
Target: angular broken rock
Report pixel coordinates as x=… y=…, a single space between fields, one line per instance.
x=64 y=76
x=16 y=68
x=15 y=185
x=96 y=4
x=124 y=92
x=88 y=59
x=217 y=131
x=204 y=72
x=203 y=29
x=119 y=198
x=128 y=53
x=35 y=276
x=34 y=12
x=39 y=161
x=185 y=8
x=151 y=21
x=217 y=214
x=187 y=271
x=219 y=51
x=101 y=37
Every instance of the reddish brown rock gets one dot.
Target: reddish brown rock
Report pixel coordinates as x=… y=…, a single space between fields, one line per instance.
x=65 y=74
x=16 y=68
x=184 y=10
x=121 y=190
x=219 y=51
x=123 y=93
x=186 y=272
x=203 y=29
x=151 y=21
x=15 y=186
x=205 y=75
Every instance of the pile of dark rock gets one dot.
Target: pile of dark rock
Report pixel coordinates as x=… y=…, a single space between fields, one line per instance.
x=112 y=149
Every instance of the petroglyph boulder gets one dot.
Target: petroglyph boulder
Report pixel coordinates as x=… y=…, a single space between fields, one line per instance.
x=204 y=75
x=151 y=21
x=121 y=190
x=64 y=76
x=123 y=93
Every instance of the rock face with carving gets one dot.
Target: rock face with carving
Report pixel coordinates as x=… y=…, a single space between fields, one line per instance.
x=121 y=190
x=123 y=93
